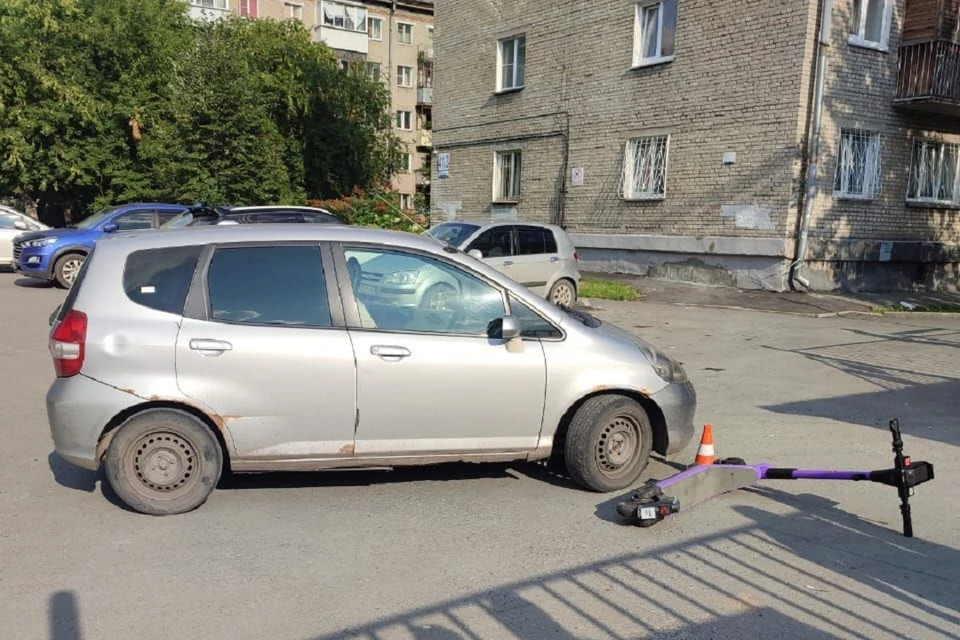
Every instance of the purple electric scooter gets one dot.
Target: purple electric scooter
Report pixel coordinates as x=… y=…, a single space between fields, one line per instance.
x=659 y=499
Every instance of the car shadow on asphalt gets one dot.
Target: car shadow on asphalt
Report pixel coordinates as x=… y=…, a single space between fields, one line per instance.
x=73 y=477
x=33 y=283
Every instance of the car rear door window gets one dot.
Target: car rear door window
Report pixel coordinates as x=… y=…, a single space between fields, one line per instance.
x=535 y=240
x=281 y=285
x=160 y=278
x=135 y=220
x=494 y=243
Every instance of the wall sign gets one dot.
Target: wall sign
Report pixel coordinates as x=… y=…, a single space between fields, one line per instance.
x=577 y=178
x=443 y=165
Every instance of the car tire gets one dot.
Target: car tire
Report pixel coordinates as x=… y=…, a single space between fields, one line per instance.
x=563 y=292
x=163 y=462
x=608 y=443
x=435 y=295
x=67 y=268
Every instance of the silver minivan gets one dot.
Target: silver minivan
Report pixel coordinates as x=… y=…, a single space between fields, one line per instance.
x=261 y=348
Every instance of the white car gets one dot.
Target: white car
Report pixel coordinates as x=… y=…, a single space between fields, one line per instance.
x=12 y=224
x=541 y=257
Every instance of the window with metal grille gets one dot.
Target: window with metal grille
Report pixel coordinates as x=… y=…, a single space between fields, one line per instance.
x=859 y=166
x=655 y=32
x=511 y=60
x=645 y=168
x=506 y=176
x=935 y=172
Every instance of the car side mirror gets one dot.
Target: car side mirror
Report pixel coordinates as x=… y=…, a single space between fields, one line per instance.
x=110 y=227
x=20 y=224
x=510 y=328
x=475 y=253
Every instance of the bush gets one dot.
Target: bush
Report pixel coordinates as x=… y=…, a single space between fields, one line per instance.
x=378 y=208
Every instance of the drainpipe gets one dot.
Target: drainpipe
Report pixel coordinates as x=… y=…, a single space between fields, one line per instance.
x=813 y=148
x=393 y=9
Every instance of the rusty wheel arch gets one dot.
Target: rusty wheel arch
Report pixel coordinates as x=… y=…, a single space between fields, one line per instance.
x=660 y=438
x=217 y=429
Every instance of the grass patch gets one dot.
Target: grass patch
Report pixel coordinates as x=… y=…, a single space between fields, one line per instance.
x=933 y=308
x=607 y=290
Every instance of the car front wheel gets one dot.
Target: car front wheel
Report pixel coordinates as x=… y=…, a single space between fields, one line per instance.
x=67 y=268
x=608 y=443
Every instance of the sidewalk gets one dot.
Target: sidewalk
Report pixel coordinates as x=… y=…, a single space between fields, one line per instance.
x=808 y=304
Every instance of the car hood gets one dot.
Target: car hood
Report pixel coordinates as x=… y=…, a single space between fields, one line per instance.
x=49 y=233
x=622 y=335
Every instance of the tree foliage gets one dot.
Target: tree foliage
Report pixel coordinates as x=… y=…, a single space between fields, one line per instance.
x=110 y=101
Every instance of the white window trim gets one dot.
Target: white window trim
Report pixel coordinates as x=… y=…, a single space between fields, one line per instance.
x=878 y=188
x=408 y=164
x=322 y=24
x=408 y=85
x=225 y=7
x=514 y=198
x=514 y=39
x=401 y=42
x=933 y=202
x=666 y=168
x=378 y=19
x=409 y=120
x=857 y=39
x=638 y=60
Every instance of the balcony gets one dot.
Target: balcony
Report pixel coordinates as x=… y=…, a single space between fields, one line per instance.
x=425 y=95
x=928 y=78
x=424 y=139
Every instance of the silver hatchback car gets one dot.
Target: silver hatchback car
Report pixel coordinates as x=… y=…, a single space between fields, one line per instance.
x=181 y=352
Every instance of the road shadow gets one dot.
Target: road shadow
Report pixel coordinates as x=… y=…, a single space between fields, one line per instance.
x=815 y=572
x=34 y=283
x=63 y=616
x=73 y=477
x=914 y=374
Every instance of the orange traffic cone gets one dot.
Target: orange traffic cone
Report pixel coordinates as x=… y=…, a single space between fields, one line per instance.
x=705 y=454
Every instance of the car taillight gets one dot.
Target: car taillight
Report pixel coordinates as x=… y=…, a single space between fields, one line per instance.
x=67 y=344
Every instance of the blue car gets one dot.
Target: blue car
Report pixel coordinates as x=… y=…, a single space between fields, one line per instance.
x=58 y=254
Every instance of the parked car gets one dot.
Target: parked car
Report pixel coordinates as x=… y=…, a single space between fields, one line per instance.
x=226 y=358
x=58 y=254
x=203 y=215
x=32 y=225
x=541 y=257
x=12 y=225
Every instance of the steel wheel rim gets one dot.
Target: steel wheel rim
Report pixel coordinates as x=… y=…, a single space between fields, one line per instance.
x=618 y=445
x=439 y=299
x=70 y=269
x=162 y=465
x=563 y=294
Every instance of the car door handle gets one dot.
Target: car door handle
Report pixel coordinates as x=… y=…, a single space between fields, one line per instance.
x=554 y=259
x=390 y=353
x=507 y=263
x=210 y=347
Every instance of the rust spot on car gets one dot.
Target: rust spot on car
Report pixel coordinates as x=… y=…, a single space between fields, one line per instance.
x=228 y=419
x=132 y=392
x=600 y=388
x=347 y=449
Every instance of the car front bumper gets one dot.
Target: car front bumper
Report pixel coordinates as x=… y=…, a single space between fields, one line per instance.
x=678 y=403
x=33 y=262
x=78 y=409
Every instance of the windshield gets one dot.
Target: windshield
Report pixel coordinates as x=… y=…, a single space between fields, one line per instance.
x=92 y=221
x=179 y=221
x=454 y=233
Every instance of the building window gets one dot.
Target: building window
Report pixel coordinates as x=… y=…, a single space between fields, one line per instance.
x=405 y=33
x=935 y=172
x=373 y=70
x=210 y=4
x=404 y=76
x=293 y=11
x=249 y=8
x=407 y=164
x=430 y=36
x=406 y=201
x=645 y=168
x=375 y=28
x=511 y=60
x=344 y=65
x=655 y=32
x=506 y=176
x=871 y=23
x=858 y=164
x=404 y=120
x=344 y=16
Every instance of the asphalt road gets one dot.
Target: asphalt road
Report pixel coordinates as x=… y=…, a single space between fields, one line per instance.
x=510 y=551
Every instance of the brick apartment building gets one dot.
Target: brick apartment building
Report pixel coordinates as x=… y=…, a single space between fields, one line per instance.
x=675 y=138
x=392 y=39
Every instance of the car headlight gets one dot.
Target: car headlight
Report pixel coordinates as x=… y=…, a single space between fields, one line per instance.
x=41 y=242
x=669 y=369
x=401 y=277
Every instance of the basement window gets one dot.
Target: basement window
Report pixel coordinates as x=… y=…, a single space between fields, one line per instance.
x=935 y=173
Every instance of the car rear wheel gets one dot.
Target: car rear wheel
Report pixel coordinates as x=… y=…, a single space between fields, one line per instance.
x=67 y=268
x=608 y=443
x=163 y=462
x=563 y=293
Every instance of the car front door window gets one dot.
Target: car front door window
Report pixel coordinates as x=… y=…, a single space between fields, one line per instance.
x=494 y=243
x=399 y=291
x=135 y=221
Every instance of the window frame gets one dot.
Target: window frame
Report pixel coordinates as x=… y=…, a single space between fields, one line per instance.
x=400 y=75
x=857 y=37
x=379 y=67
x=352 y=310
x=875 y=193
x=295 y=9
x=249 y=9
x=639 y=59
x=402 y=23
x=198 y=307
x=407 y=165
x=379 y=21
x=544 y=232
x=646 y=196
x=409 y=120
x=913 y=181
x=517 y=177
x=199 y=4
x=515 y=39
x=490 y=228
